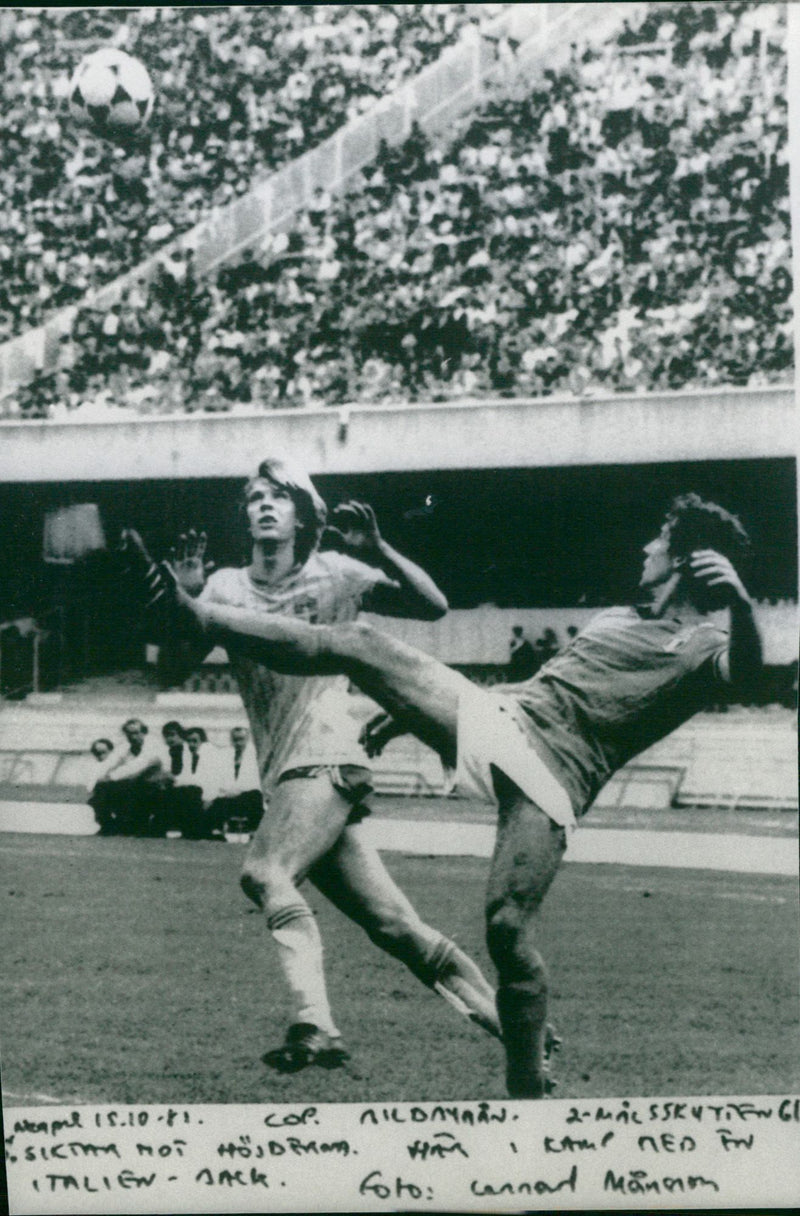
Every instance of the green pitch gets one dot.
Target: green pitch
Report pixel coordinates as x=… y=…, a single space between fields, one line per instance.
x=135 y=972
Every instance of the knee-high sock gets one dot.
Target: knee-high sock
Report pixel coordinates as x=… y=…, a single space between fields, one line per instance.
x=463 y=985
x=296 y=935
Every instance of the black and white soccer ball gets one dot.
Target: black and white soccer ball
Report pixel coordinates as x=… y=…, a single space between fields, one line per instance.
x=110 y=92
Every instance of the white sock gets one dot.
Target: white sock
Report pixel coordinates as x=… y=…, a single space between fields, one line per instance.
x=460 y=982
x=296 y=935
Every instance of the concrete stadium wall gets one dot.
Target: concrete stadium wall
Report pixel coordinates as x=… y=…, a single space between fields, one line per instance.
x=434 y=98
x=725 y=424
x=713 y=760
x=481 y=635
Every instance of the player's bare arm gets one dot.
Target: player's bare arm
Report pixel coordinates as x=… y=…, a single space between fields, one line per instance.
x=187 y=561
x=128 y=767
x=410 y=592
x=741 y=667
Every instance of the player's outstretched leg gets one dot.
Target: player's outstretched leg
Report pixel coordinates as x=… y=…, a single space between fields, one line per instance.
x=420 y=691
x=527 y=854
x=353 y=877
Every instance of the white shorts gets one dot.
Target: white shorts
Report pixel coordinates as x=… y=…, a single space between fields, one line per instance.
x=489 y=733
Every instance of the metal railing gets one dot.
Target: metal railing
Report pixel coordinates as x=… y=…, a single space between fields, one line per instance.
x=48 y=629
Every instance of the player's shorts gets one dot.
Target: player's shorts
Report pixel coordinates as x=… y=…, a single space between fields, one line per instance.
x=492 y=731
x=353 y=782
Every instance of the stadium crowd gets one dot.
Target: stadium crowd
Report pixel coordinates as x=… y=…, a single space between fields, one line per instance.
x=623 y=225
x=240 y=91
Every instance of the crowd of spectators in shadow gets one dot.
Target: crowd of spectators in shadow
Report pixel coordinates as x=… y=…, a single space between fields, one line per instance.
x=527 y=656
x=181 y=785
x=240 y=91
x=622 y=225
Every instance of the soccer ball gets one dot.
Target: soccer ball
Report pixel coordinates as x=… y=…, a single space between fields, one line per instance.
x=111 y=91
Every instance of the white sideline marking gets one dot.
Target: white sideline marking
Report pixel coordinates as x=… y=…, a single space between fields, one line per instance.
x=54 y=818
x=630 y=847
x=24 y=1099
x=687 y=851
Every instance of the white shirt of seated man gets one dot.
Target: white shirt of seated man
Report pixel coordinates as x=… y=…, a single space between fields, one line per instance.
x=142 y=758
x=199 y=763
x=237 y=765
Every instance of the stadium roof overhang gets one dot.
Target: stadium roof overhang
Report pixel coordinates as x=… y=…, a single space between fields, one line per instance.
x=725 y=424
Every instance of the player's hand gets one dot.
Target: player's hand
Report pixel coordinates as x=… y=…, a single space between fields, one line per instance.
x=715 y=570
x=187 y=562
x=353 y=529
x=379 y=731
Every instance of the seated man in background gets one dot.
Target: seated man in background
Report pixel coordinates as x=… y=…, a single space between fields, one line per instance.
x=178 y=799
x=237 y=803
x=198 y=784
x=126 y=798
x=101 y=750
x=174 y=737
x=521 y=655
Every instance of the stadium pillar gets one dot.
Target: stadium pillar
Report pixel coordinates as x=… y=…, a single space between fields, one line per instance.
x=793 y=99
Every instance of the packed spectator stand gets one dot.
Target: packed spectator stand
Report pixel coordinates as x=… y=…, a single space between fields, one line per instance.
x=621 y=224
x=240 y=91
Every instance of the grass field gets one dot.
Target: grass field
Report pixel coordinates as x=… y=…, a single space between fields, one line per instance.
x=135 y=972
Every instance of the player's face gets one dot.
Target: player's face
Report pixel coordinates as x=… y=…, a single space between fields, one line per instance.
x=271 y=513
x=658 y=563
x=134 y=733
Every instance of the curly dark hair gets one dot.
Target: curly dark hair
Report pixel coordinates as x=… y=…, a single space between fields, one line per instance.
x=695 y=523
x=174 y=728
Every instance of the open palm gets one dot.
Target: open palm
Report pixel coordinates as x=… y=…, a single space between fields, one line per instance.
x=187 y=561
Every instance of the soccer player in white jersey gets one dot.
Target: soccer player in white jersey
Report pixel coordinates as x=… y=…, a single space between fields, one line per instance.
x=314 y=772
x=541 y=749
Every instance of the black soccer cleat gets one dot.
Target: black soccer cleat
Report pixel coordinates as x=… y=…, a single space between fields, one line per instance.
x=552 y=1042
x=552 y=1045
x=154 y=590
x=306 y=1044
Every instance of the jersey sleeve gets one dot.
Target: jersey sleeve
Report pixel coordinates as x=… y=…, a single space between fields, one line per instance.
x=711 y=651
x=355 y=580
x=219 y=587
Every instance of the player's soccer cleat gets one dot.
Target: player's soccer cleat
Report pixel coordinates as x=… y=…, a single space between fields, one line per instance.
x=552 y=1045
x=534 y=1082
x=154 y=589
x=306 y=1044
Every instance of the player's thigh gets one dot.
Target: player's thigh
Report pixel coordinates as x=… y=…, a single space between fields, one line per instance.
x=422 y=691
x=353 y=877
x=302 y=820
x=528 y=851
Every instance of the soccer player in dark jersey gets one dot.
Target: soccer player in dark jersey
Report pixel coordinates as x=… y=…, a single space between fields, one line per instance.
x=541 y=749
